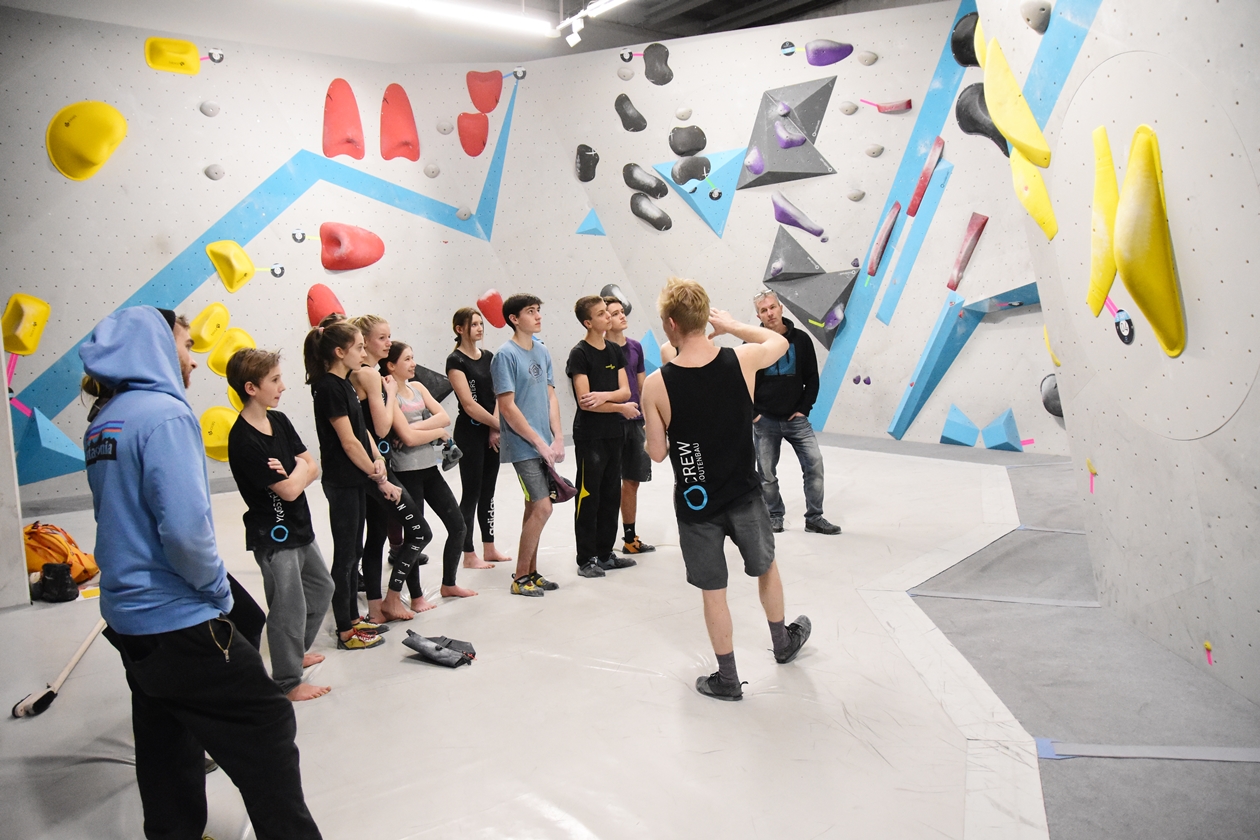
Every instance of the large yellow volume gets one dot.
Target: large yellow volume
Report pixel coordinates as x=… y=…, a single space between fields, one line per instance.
x=172 y=55
x=82 y=136
x=979 y=42
x=1009 y=109
x=233 y=264
x=1030 y=189
x=232 y=340
x=1143 y=244
x=208 y=326
x=216 y=423
x=1102 y=260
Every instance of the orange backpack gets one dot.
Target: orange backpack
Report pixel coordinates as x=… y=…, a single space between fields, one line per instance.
x=50 y=544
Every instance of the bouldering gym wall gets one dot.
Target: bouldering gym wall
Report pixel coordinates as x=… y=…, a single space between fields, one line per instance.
x=1021 y=234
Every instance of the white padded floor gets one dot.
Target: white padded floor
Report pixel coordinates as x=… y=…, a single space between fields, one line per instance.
x=579 y=718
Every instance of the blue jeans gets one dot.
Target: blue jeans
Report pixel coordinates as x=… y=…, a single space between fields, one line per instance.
x=769 y=434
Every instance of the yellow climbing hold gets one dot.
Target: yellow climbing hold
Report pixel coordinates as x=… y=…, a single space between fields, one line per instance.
x=208 y=326
x=216 y=423
x=235 y=399
x=233 y=264
x=232 y=340
x=25 y=317
x=1009 y=109
x=1089 y=465
x=979 y=43
x=1102 y=260
x=1143 y=247
x=82 y=136
x=1045 y=332
x=1030 y=189
x=172 y=55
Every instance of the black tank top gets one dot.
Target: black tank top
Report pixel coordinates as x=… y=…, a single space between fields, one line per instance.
x=710 y=436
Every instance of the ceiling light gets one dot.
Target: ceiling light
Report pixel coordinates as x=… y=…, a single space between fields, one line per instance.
x=599 y=7
x=573 y=38
x=475 y=16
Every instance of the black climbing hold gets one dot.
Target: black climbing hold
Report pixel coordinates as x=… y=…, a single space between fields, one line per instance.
x=715 y=194
x=640 y=179
x=631 y=119
x=695 y=168
x=686 y=140
x=656 y=64
x=613 y=290
x=788 y=48
x=963 y=40
x=1050 y=395
x=972 y=113
x=587 y=160
x=642 y=206
x=1124 y=326
x=627 y=56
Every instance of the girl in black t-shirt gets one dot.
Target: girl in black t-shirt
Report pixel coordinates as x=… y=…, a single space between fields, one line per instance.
x=477 y=434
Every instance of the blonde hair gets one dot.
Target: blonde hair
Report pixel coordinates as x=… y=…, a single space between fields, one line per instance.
x=367 y=323
x=686 y=302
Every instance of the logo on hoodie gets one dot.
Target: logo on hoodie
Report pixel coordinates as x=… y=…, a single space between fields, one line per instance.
x=102 y=442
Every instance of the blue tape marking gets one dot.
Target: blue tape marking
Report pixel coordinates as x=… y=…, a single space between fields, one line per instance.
x=1045 y=749
x=1059 y=47
x=914 y=241
x=935 y=107
x=58 y=385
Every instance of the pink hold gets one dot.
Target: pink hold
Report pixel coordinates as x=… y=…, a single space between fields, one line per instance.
x=20 y=406
x=1028 y=442
x=787 y=135
x=1111 y=307
x=1091 y=483
x=789 y=214
x=755 y=163
x=8 y=376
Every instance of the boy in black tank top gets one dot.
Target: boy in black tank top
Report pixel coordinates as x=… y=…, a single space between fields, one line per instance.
x=699 y=413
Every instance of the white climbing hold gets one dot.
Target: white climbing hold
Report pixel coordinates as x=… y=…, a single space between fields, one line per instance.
x=874 y=150
x=214 y=172
x=625 y=73
x=445 y=126
x=683 y=114
x=856 y=195
x=847 y=107
x=1036 y=14
x=463 y=213
x=432 y=170
x=867 y=58
x=210 y=108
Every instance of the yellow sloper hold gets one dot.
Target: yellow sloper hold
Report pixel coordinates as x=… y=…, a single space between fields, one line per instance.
x=172 y=55
x=235 y=399
x=232 y=340
x=1030 y=189
x=209 y=324
x=1143 y=247
x=978 y=38
x=25 y=317
x=1009 y=109
x=1102 y=260
x=216 y=423
x=1045 y=332
x=1089 y=465
x=233 y=264
x=82 y=136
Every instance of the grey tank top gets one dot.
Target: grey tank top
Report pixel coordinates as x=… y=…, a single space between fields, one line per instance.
x=408 y=458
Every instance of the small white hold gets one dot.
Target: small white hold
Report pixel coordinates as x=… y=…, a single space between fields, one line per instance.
x=1036 y=14
x=210 y=108
x=214 y=172
x=432 y=170
x=867 y=58
x=463 y=213
x=874 y=150
x=683 y=114
x=784 y=109
x=856 y=195
x=625 y=73
x=445 y=126
x=848 y=108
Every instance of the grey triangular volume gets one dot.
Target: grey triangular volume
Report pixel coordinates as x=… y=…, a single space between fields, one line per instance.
x=808 y=101
x=811 y=298
x=792 y=260
x=824 y=335
x=781 y=164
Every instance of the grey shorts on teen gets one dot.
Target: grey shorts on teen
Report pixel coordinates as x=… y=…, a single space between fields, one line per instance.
x=747 y=523
x=535 y=482
x=635 y=463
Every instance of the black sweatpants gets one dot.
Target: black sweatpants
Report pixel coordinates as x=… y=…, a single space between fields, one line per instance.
x=598 y=502
x=347 y=508
x=205 y=688
x=429 y=486
x=478 y=473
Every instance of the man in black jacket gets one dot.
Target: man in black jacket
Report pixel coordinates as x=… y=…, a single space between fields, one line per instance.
x=784 y=396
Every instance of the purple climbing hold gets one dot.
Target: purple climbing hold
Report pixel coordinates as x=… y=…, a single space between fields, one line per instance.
x=776 y=267
x=834 y=316
x=866 y=380
x=857 y=380
x=788 y=135
x=754 y=162
x=784 y=109
x=789 y=214
x=822 y=52
x=856 y=263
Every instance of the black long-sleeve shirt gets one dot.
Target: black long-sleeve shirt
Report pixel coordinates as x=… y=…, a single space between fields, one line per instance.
x=790 y=384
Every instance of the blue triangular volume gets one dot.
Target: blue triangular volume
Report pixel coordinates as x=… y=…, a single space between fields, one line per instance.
x=959 y=430
x=43 y=450
x=651 y=352
x=1003 y=434
x=954 y=326
x=591 y=225
x=724 y=173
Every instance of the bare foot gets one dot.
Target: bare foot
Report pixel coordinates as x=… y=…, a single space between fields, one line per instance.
x=395 y=613
x=374 y=613
x=312 y=659
x=472 y=561
x=493 y=555
x=456 y=592
x=307 y=692
x=421 y=605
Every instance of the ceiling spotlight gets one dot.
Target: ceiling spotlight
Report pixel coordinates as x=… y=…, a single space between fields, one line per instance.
x=573 y=38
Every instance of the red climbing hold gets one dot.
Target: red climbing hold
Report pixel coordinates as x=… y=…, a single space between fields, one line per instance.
x=473 y=131
x=491 y=306
x=345 y=246
x=398 y=126
x=485 y=89
x=320 y=303
x=343 y=131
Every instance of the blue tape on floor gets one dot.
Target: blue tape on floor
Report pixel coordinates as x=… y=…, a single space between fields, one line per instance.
x=1069 y=24
x=914 y=241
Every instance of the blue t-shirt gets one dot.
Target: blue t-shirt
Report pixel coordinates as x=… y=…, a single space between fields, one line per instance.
x=525 y=374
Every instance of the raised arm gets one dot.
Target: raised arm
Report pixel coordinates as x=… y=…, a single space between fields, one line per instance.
x=761 y=348
x=369 y=382
x=656 y=415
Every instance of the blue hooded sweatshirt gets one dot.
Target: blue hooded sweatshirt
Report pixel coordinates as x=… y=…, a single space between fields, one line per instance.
x=160 y=567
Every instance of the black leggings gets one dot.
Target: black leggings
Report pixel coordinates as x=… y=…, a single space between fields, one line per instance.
x=427 y=485
x=347 y=507
x=378 y=511
x=478 y=472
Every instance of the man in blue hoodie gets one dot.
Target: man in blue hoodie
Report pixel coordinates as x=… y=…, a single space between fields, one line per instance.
x=196 y=683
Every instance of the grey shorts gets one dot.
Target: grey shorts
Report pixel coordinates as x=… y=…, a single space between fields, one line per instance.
x=535 y=482
x=636 y=465
x=703 y=544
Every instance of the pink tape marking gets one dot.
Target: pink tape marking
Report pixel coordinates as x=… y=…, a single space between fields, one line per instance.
x=1091 y=483
x=8 y=376
x=1209 y=654
x=1028 y=442
x=16 y=403
x=205 y=58
x=1112 y=308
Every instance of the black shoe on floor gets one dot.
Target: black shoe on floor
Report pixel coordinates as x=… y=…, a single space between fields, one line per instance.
x=798 y=633
x=714 y=686
x=776 y=525
x=591 y=569
x=822 y=526
x=611 y=561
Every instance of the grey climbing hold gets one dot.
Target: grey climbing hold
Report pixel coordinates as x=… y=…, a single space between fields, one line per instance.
x=642 y=206
x=695 y=168
x=643 y=180
x=686 y=140
x=463 y=213
x=1037 y=15
x=874 y=150
x=848 y=108
x=962 y=41
x=788 y=260
x=210 y=108
x=868 y=58
x=432 y=170
x=1050 y=395
x=445 y=126
x=656 y=64
x=631 y=119
x=856 y=195
x=587 y=160
x=625 y=73
x=972 y=113
x=683 y=114
x=214 y=172
x=787 y=135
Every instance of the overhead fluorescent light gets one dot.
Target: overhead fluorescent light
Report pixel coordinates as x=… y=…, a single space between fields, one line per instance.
x=479 y=16
x=598 y=8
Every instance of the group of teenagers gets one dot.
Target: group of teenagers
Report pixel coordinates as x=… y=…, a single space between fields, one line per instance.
x=189 y=635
